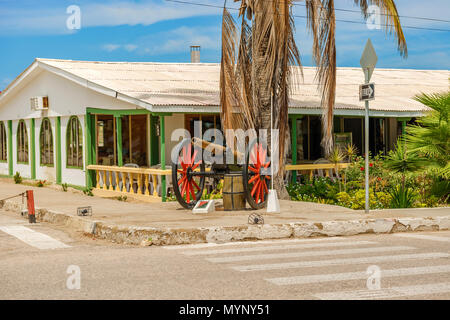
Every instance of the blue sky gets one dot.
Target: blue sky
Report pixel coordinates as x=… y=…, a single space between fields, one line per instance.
x=158 y=30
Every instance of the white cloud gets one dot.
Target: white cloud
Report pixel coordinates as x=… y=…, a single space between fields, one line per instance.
x=39 y=19
x=110 y=47
x=130 y=47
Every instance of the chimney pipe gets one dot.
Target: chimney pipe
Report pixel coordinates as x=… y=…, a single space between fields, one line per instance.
x=195 y=54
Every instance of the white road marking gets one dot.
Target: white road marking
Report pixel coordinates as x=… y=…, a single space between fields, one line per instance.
x=345 y=261
x=315 y=278
x=237 y=243
x=33 y=238
x=279 y=247
x=308 y=254
x=423 y=237
x=388 y=293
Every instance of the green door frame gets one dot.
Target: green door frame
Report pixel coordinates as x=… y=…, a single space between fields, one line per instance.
x=10 y=149
x=33 y=149
x=58 y=150
x=294 y=118
x=403 y=121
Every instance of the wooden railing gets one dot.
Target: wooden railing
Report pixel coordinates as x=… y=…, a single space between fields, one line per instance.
x=321 y=169
x=142 y=183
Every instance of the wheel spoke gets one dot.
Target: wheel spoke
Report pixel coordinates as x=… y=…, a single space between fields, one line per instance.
x=265 y=187
x=182 y=180
x=193 y=157
x=183 y=188
x=258 y=191
x=184 y=154
x=195 y=184
x=192 y=190
x=196 y=165
x=188 y=195
x=255 y=186
x=253 y=179
x=253 y=169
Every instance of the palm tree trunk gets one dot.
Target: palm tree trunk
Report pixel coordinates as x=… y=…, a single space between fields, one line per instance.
x=278 y=183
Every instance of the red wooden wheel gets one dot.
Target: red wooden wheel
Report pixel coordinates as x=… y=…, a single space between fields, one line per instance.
x=256 y=175
x=187 y=185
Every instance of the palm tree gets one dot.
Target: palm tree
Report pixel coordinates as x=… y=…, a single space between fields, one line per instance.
x=256 y=64
x=430 y=138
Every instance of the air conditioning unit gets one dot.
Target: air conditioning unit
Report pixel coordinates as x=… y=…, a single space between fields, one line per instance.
x=39 y=103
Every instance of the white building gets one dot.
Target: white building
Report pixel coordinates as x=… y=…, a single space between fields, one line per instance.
x=113 y=113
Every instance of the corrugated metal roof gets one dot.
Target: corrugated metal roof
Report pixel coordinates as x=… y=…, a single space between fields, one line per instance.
x=188 y=84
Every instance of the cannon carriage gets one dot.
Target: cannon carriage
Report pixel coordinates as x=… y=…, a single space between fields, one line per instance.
x=189 y=171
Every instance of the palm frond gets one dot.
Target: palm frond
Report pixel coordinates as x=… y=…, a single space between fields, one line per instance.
x=229 y=88
x=322 y=24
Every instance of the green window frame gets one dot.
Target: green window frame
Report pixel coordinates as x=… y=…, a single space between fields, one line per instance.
x=22 y=143
x=3 y=143
x=46 y=149
x=74 y=144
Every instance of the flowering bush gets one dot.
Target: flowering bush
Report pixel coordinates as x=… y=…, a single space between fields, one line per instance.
x=425 y=189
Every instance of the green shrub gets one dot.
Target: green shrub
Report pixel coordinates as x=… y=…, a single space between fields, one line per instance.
x=122 y=198
x=17 y=178
x=402 y=197
x=88 y=191
x=65 y=187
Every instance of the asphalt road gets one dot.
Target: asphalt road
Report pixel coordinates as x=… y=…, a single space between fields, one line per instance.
x=43 y=261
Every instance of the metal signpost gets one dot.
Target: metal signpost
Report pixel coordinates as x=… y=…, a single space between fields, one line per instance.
x=367 y=92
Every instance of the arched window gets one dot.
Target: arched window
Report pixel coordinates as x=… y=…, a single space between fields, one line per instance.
x=74 y=143
x=22 y=143
x=3 y=143
x=46 y=143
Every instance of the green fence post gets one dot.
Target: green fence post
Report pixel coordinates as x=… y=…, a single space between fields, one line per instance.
x=58 y=151
x=163 y=157
x=119 y=140
x=33 y=150
x=10 y=149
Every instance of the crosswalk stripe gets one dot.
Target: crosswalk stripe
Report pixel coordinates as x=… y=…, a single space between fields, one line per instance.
x=394 y=292
x=33 y=238
x=278 y=247
x=345 y=261
x=308 y=254
x=315 y=278
x=422 y=237
x=238 y=243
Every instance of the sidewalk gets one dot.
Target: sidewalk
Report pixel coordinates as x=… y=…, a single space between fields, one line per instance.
x=171 y=217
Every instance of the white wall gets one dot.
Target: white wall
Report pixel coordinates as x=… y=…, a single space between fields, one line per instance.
x=65 y=97
x=69 y=175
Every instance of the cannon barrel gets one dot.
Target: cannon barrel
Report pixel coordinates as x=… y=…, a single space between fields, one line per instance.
x=205 y=144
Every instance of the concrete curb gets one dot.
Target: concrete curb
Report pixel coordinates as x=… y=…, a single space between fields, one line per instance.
x=171 y=236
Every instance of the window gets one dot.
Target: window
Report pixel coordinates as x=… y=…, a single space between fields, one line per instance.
x=74 y=143
x=3 y=143
x=22 y=142
x=46 y=143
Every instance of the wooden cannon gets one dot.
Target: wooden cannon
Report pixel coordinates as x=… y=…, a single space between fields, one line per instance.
x=189 y=171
